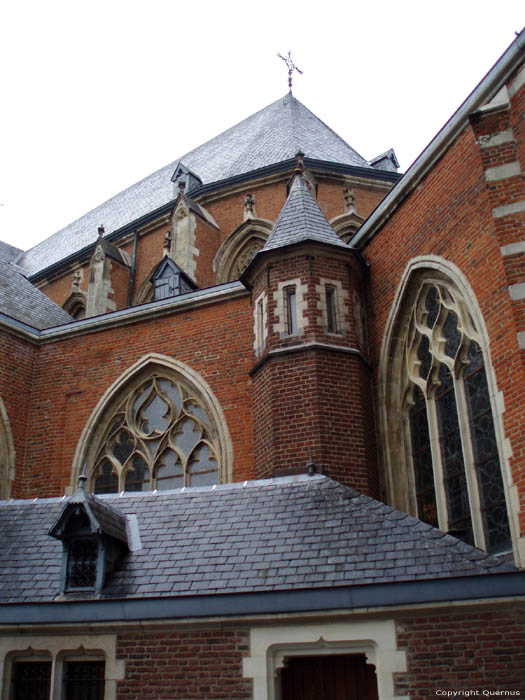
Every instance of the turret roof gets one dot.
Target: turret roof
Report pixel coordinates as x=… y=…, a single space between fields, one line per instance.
x=272 y=135
x=301 y=219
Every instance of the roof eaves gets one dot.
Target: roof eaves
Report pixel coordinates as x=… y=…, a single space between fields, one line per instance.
x=313 y=600
x=485 y=90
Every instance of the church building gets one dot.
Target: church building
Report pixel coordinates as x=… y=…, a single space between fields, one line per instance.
x=262 y=422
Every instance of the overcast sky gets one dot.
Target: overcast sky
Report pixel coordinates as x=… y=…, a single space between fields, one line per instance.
x=97 y=95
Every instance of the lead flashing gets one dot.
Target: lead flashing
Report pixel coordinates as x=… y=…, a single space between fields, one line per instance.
x=405 y=593
x=200 y=297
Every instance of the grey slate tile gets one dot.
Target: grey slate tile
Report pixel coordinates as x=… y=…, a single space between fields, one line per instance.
x=369 y=546
x=269 y=136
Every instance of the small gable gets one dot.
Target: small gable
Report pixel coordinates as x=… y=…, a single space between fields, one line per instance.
x=170 y=280
x=94 y=539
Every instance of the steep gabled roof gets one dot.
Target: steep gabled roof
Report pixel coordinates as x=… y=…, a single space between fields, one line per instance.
x=282 y=534
x=301 y=219
x=20 y=300
x=272 y=135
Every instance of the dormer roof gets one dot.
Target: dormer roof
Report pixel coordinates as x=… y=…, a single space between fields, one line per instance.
x=103 y=518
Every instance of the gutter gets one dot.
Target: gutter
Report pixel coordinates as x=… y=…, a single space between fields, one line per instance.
x=209 y=295
x=486 y=89
x=409 y=593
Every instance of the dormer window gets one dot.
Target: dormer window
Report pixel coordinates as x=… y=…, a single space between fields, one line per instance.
x=94 y=539
x=82 y=564
x=170 y=281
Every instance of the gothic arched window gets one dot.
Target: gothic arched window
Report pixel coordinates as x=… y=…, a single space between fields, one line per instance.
x=448 y=439
x=157 y=429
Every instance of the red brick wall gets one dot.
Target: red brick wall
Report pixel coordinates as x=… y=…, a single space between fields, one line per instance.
x=468 y=651
x=17 y=357
x=450 y=215
x=199 y=663
x=207 y=243
x=71 y=375
x=314 y=399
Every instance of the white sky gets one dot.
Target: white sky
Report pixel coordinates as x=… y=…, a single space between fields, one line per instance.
x=97 y=95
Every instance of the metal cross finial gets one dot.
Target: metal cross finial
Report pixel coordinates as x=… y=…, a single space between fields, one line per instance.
x=291 y=67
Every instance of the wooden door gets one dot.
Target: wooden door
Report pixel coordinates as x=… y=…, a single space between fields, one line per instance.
x=338 y=677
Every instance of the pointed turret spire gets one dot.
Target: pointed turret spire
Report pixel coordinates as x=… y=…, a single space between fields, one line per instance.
x=301 y=219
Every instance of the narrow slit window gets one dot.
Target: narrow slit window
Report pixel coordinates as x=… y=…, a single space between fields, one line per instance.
x=291 y=310
x=260 y=326
x=331 y=318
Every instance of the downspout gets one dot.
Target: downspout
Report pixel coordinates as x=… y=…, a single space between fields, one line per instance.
x=132 y=271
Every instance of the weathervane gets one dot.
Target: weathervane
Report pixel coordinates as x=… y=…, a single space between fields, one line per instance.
x=291 y=67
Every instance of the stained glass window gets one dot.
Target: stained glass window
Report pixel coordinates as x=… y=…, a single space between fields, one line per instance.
x=422 y=457
x=160 y=436
x=451 y=408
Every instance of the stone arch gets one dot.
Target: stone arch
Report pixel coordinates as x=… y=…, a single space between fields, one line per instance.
x=239 y=248
x=7 y=453
x=345 y=225
x=154 y=367
x=76 y=304
x=392 y=382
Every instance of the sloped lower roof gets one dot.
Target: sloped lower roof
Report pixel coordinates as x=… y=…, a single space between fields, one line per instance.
x=20 y=300
x=280 y=534
x=272 y=135
x=300 y=219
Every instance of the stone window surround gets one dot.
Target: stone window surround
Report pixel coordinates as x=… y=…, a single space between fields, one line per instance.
x=271 y=645
x=7 y=453
x=58 y=649
x=260 y=307
x=393 y=436
x=148 y=365
x=281 y=327
x=340 y=300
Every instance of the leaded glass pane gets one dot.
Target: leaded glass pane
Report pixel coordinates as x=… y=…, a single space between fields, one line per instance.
x=432 y=306
x=486 y=458
x=154 y=416
x=82 y=563
x=31 y=680
x=455 y=481
x=124 y=446
x=203 y=467
x=422 y=460
x=170 y=472
x=106 y=479
x=187 y=436
x=424 y=356
x=84 y=680
x=452 y=335
x=137 y=477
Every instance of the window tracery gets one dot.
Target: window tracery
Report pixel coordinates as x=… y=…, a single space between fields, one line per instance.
x=159 y=436
x=451 y=438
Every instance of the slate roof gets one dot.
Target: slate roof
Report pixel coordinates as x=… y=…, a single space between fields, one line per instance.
x=272 y=135
x=20 y=300
x=301 y=219
x=280 y=534
x=8 y=252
